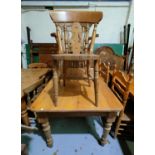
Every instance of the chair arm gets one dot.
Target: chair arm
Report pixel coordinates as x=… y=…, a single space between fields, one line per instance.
x=90 y=38
x=53 y=35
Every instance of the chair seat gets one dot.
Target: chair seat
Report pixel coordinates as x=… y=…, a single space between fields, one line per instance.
x=71 y=57
x=37 y=65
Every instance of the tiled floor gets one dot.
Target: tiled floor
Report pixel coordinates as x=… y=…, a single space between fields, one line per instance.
x=75 y=136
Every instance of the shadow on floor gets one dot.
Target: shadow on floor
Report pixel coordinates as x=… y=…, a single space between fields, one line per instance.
x=127 y=146
x=71 y=125
x=26 y=140
x=85 y=145
x=74 y=125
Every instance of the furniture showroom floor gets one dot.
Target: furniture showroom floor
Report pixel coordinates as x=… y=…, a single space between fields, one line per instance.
x=75 y=136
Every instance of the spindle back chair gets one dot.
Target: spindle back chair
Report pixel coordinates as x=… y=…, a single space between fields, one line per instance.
x=120 y=87
x=74 y=41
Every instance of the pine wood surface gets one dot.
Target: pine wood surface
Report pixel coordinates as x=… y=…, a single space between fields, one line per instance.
x=77 y=96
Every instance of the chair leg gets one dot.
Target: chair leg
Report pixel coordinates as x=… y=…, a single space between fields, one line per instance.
x=55 y=84
x=24 y=114
x=88 y=72
x=96 y=84
x=64 y=73
x=118 y=123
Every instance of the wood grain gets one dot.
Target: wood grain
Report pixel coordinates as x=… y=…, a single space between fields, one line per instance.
x=77 y=96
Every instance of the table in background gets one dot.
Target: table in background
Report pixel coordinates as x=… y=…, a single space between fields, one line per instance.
x=29 y=80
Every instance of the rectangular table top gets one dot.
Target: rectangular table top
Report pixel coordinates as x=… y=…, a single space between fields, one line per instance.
x=77 y=96
x=31 y=76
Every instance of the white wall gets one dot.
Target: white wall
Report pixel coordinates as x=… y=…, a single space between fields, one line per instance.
x=112 y=24
x=116 y=15
x=130 y=20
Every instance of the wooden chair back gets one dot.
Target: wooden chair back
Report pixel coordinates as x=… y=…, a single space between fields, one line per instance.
x=73 y=30
x=120 y=86
x=104 y=71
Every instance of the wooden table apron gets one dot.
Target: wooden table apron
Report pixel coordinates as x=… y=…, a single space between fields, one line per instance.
x=78 y=102
x=28 y=78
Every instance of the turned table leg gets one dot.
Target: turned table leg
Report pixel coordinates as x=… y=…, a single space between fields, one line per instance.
x=46 y=130
x=110 y=118
x=96 y=84
x=24 y=114
x=55 y=83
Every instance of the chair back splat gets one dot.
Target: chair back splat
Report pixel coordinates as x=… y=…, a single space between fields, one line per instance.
x=72 y=30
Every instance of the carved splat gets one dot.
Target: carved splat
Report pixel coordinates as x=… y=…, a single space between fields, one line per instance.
x=76 y=38
x=73 y=37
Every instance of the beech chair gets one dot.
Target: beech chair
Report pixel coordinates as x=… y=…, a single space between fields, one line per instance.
x=75 y=45
x=120 y=86
x=104 y=71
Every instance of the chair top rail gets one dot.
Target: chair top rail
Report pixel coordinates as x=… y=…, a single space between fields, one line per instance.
x=76 y=16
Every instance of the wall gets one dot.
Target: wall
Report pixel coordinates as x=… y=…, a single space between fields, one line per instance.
x=116 y=15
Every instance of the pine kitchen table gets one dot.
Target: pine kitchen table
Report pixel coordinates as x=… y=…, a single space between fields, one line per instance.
x=76 y=99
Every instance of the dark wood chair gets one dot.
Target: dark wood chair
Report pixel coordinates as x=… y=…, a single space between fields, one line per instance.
x=107 y=55
x=120 y=86
x=75 y=44
x=104 y=71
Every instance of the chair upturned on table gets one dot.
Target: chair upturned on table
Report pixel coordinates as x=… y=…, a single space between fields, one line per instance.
x=75 y=46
